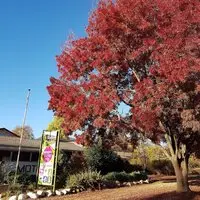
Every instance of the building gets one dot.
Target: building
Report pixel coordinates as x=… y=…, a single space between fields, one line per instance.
x=7 y=133
x=28 y=161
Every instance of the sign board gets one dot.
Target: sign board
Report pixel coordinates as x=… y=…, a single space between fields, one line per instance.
x=29 y=168
x=48 y=154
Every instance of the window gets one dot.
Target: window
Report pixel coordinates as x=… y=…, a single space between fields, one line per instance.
x=14 y=156
x=24 y=156
x=4 y=155
x=35 y=157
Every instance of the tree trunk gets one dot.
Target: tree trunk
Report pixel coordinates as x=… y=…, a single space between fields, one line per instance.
x=181 y=171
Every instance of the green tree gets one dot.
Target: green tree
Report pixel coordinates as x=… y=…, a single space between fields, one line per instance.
x=103 y=160
x=147 y=153
x=152 y=158
x=56 y=124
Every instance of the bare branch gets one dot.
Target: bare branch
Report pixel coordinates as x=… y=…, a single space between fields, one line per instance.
x=165 y=152
x=169 y=142
x=121 y=99
x=136 y=76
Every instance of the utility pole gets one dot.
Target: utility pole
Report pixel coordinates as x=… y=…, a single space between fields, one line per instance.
x=21 y=136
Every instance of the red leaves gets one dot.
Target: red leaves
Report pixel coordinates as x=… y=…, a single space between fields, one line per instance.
x=99 y=122
x=147 y=120
x=155 y=41
x=79 y=139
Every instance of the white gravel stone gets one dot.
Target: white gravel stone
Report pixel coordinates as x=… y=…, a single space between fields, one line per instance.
x=146 y=181
x=22 y=196
x=13 y=197
x=68 y=189
x=49 y=193
x=141 y=181
x=129 y=184
x=64 y=191
x=32 y=195
x=58 y=193
x=39 y=192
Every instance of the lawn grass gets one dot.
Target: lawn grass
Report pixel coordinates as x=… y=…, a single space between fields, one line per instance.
x=163 y=189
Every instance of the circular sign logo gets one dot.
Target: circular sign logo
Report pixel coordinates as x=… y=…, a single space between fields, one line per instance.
x=47 y=154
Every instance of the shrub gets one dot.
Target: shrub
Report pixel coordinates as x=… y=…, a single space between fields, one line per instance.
x=153 y=160
x=125 y=177
x=193 y=163
x=86 y=179
x=62 y=172
x=31 y=186
x=68 y=165
x=117 y=176
x=23 y=181
x=103 y=160
x=15 y=189
x=161 y=167
x=144 y=154
x=131 y=167
x=26 y=179
x=76 y=163
x=137 y=176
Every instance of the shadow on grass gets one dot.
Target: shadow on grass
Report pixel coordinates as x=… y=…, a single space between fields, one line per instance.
x=194 y=181
x=173 y=196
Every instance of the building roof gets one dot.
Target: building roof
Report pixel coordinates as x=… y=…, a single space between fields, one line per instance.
x=6 y=132
x=12 y=143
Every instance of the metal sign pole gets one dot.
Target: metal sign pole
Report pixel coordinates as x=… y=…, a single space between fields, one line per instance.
x=20 y=142
x=39 y=155
x=56 y=160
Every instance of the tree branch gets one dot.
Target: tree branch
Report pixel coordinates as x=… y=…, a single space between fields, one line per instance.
x=121 y=99
x=167 y=137
x=169 y=142
x=165 y=152
x=134 y=72
x=136 y=76
x=175 y=144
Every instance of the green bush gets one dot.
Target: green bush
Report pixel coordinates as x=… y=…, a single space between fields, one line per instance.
x=76 y=163
x=125 y=177
x=144 y=154
x=117 y=176
x=86 y=179
x=193 y=163
x=103 y=160
x=31 y=186
x=68 y=165
x=26 y=179
x=161 y=167
x=131 y=167
x=15 y=189
x=137 y=176
x=62 y=172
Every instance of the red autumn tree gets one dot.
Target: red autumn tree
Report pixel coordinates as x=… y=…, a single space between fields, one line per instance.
x=146 y=54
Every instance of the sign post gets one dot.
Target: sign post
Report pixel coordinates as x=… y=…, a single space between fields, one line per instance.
x=21 y=136
x=48 y=159
x=56 y=161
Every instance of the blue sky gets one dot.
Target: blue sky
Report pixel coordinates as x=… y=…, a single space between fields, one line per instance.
x=31 y=35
